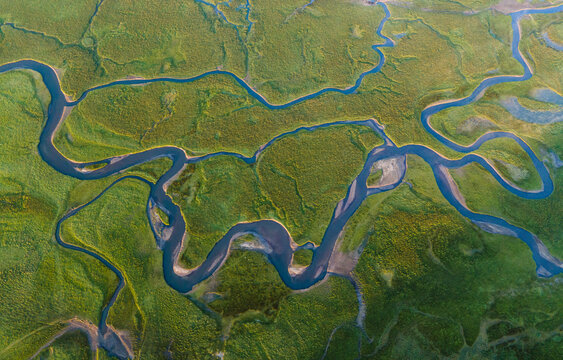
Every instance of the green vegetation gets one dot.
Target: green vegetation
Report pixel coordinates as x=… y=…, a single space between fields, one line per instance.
x=301 y=329
x=302 y=257
x=433 y=284
x=291 y=53
x=433 y=290
x=555 y=32
x=36 y=15
x=541 y=217
x=543 y=57
x=188 y=39
x=374 y=177
x=305 y=177
x=41 y=283
x=298 y=181
x=248 y=270
x=17 y=45
x=71 y=346
x=381 y=95
x=223 y=189
x=156 y=316
x=465 y=124
x=344 y=343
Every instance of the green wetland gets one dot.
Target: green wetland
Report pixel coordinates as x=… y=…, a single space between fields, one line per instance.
x=409 y=276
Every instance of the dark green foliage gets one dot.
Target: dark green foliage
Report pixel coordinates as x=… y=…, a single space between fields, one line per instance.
x=344 y=343
x=243 y=271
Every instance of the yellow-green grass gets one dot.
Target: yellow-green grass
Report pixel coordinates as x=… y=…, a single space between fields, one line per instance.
x=40 y=282
x=214 y=196
x=298 y=181
x=430 y=279
x=555 y=32
x=305 y=177
x=293 y=53
x=189 y=38
x=344 y=343
x=302 y=257
x=541 y=217
x=77 y=64
x=71 y=346
x=430 y=297
x=216 y=114
x=154 y=315
x=47 y=17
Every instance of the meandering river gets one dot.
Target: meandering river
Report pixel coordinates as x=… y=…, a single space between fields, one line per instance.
x=280 y=246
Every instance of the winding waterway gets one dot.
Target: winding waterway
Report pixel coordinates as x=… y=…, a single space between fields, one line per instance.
x=280 y=246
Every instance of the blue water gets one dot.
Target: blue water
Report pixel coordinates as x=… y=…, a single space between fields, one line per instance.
x=513 y=106
x=551 y=43
x=170 y=237
x=307 y=5
x=548 y=95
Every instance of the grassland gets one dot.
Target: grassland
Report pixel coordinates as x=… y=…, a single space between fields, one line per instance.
x=298 y=181
x=302 y=257
x=46 y=18
x=291 y=54
x=301 y=328
x=541 y=217
x=123 y=119
x=155 y=316
x=439 y=286
x=305 y=178
x=116 y=39
x=434 y=285
x=69 y=347
x=41 y=284
x=223 y=189
x=248 y=270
